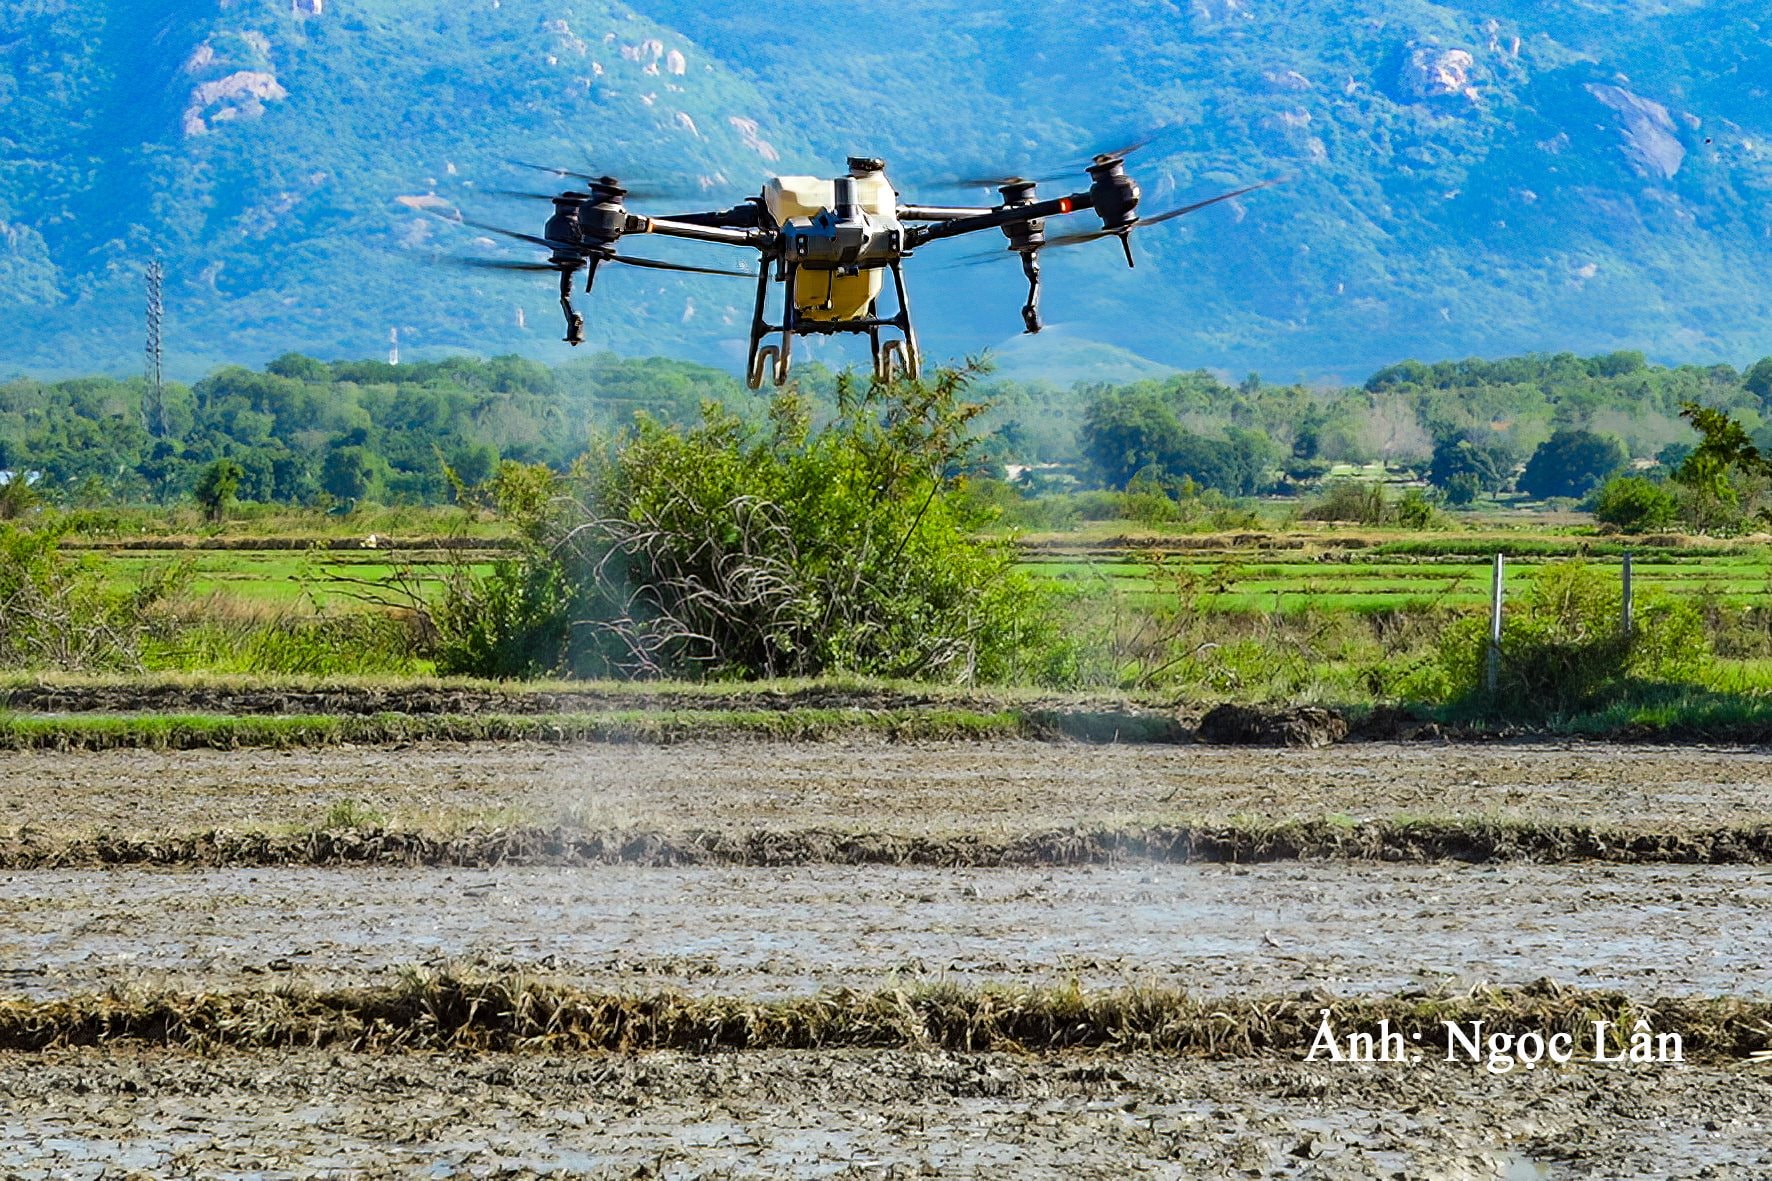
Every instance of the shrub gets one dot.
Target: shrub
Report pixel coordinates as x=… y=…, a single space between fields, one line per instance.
x=722 y=549
x=1365 y=503
x=57 y=613
x=1416 y=510
x=1634 y=504
x=1563 y=649
x=1350 y=500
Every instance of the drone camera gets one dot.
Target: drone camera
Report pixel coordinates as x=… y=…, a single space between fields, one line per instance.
x=860 y=166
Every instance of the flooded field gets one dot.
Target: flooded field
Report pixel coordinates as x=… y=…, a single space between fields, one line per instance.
x=977 y=787
x=1212 y=929
x=1291 y=929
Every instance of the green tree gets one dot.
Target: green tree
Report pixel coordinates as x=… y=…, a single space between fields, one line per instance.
x=348 y=473
x=1571 y=463
x=1455 y=456
x=1634 y=504
x=1712 y=473
x=1758 y=379
x=216 y=487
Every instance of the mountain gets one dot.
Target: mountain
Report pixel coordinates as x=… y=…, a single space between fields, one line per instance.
x=1463 y=178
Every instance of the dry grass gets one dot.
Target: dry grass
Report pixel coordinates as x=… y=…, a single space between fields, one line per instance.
x=513 y=1013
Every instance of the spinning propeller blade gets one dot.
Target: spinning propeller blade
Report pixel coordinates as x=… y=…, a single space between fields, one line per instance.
x=1115 y=153
x=1091 y=235
x=503 y=264
x=499 y=264
x=659 y=265
x=563 y=172
x=544 y=243
x=642 y=191
x=527 y=195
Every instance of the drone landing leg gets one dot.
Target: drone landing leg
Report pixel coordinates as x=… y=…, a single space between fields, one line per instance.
x=789 y=316
x=880 y=373
x=911 y=356
x=1030 y=312
x=575 y=323
x=759 y=329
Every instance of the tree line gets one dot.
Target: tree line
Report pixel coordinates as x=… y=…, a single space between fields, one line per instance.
x=345 y=433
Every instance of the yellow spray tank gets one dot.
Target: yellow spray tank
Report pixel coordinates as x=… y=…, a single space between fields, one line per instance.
x=829 y=294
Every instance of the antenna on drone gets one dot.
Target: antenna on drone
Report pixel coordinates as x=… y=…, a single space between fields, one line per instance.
x=154 y=399
x=393 y=346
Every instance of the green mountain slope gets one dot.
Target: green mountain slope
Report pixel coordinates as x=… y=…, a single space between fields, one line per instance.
x=1465 y=179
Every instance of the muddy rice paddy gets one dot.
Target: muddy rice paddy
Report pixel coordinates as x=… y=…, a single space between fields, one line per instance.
x=1283 y=929
x=987 y=788
x=1214 y=929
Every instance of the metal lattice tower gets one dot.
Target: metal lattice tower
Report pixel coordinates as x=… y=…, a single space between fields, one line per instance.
x=154 y=399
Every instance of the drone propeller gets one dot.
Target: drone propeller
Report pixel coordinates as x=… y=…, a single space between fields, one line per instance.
x=1078 y=239
x=1102 y=157
x=517 y=235
x=643 y=191
x=501 y=264
x=979 y=258
x=528 y=195
x=565 y=172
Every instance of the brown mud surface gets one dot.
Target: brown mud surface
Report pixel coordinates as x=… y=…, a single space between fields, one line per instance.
x=867 y=1114
x=1213 y=930
x=996 y=790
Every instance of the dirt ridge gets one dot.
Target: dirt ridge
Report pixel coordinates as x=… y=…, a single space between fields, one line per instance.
x=515 y=1013
x=1412 y=842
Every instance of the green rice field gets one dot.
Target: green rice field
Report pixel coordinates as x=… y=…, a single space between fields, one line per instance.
x=1278 y=573
x=1397 y=575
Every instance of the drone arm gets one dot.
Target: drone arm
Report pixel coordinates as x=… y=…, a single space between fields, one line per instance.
x=725 y=235
x=996 y=218
x=941 y=212
x=745 y=216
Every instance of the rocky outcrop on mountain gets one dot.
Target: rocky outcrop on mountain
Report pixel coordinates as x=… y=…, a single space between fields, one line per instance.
x=1432 y=73
x=241 y=95
x=1649 y=142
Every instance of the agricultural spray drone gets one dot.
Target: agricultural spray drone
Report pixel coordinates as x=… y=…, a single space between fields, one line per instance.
x=829 y=243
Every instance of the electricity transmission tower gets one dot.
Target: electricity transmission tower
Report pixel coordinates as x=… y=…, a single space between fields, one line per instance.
x=154 y=399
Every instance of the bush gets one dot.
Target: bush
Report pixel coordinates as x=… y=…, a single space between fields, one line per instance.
x=725 y=550
x=1366 y=504
x=1562 y=648
x=1634 y=504
x=57 y=613
x=1416 y=510
x=1350 y=500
